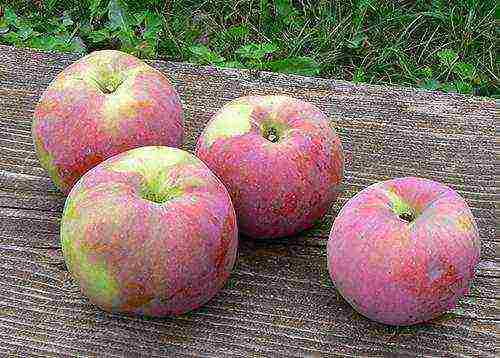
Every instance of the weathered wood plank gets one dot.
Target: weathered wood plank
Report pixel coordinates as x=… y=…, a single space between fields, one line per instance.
x=279 y=300
x=261 y=308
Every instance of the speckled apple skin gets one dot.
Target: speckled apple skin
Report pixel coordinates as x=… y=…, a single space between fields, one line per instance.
x=136 y=256
x=76 y=125
x=402 y=273
x=278 y=189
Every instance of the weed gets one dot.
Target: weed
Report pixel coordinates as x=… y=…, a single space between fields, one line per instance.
x=447 y=45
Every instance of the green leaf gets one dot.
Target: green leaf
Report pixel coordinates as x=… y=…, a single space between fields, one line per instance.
x=236 y=33
x=138 y=18
x=360 y=14
x=46 y=42
x=53 y=25
x=257 y=51
x=99 y=35
x=425 y=72
x=200 y=50
x=447 y=57
x=67 y=21
x=147 y=49
x=129 y=41
x=359 y=75
x=231 y=64
x=437 y=5
x=204 y=55
x=85 y=28
x=11 y=38
x=284 y=7
x=49 y=5
x=120 y=19
x=4 y=27
x=11 y=17
x=77 y=45
x=286 y=12
x=448 y=87
x=463 y=87
x=465 y=70
x=154 y=24
x=118 y=14
x=356 y=42
x=430 y=85
x=94 y=7
x=25 y=33
x=305 y=66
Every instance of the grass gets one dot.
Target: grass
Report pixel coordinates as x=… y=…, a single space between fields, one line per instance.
x=447 y=45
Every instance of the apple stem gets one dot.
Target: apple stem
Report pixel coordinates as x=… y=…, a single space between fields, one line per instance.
x=109 y=89
x=272 y=135
x=408 y=217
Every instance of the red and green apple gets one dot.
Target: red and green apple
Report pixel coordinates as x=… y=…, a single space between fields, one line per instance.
x=280 y=160
x=150 y=231
x=103 y=104
x=403 y=251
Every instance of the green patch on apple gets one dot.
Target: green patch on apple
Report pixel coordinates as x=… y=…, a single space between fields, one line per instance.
x=157 y=185
x=109 y=81
x=100 y=283
x=234 y=119
x=160 y=193
x=47 y=162
x=70 y=207
x=273 y=130
x=145 y=160
x=401 y=207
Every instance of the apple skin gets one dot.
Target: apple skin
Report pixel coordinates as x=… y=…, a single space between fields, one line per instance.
x=277 y=188
x=77 y=123
x=150 y=231
x=401 y=272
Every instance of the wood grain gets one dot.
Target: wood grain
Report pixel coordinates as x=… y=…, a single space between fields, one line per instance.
x=279 y=300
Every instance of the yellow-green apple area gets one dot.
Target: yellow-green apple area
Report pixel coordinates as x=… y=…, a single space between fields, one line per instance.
x=403 y=251
x=102 y=105
x=150 y=231
x=280 y=160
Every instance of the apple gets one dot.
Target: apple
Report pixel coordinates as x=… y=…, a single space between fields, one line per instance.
x=279 y=159
x=102 y=105
x=403 y=251
x=150 y=231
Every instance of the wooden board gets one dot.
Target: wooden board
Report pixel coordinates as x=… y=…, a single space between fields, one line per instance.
x=279 y=300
